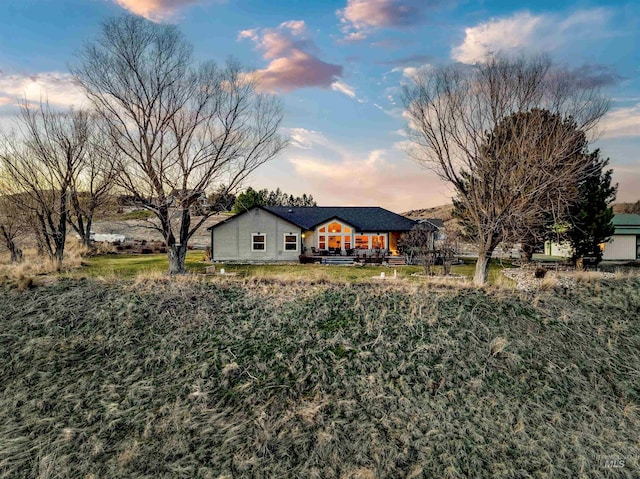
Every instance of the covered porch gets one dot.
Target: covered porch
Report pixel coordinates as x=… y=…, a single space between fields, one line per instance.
x=338 y=238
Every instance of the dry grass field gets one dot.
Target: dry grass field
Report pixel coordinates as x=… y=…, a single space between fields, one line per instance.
x=262 y=377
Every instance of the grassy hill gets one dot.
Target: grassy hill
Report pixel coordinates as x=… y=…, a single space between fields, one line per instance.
x=262 y=379
x=445 y=212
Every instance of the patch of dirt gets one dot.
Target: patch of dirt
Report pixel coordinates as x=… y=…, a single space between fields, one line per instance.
x=526 y=281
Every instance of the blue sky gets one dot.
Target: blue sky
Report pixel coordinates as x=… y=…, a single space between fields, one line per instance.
x=339 y=67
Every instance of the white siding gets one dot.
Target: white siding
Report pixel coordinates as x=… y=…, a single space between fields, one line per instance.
x=620 y=247
x=562 y=250
x=231 y=241
x=309 y=240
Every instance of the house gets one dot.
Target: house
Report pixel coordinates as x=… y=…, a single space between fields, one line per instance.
x=281 y=233
x=562 y=249
x=625 y=242
x=436 y=224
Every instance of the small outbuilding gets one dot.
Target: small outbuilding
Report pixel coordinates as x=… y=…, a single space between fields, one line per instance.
x=625 y=242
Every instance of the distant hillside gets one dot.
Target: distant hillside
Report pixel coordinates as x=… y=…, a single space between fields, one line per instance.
x=444 y=212
x=627 y=207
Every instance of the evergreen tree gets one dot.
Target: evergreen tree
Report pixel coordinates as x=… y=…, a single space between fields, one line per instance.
x=591 y=216
x=250 y=198
x=221 y=199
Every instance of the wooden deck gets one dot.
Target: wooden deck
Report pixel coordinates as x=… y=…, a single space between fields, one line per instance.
x=347 y=260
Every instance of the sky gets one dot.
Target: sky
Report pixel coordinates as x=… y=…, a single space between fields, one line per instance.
x=339 y=67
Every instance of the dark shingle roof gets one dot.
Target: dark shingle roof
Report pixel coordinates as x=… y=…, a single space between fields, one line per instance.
x=362 y=218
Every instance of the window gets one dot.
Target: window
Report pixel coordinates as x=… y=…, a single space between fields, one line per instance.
x=335 y=236
x=335 y=227
x=362 y=242
x=335 y=242
x=377 y=242
x=258 y=241
x=290 y=242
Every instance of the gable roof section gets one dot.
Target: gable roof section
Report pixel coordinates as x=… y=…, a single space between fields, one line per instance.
x=231 y=218
x=437 y=223
x=362 y=218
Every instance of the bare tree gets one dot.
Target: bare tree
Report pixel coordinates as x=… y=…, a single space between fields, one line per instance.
x=463 y=124
x=13 y=222
x=42 y=162
x=418 y=244
x=446 y=248
x=182 y=127
x=92 y=186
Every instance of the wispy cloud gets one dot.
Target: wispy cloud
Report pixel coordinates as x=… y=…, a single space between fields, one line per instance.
x=523 y=31
x=56 y=88
x=292 y=63
x=592 y=75
x=156 y=10
x=411 y=72
x=622 y=122
x=305 y=139
x=362 y=16
x=344 y=88
x=412 y=60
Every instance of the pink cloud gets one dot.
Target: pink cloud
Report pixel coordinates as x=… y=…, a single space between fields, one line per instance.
x=293 y=63
x=155 y=10
x=337 y=176
x=380 y=13
x=361 y=16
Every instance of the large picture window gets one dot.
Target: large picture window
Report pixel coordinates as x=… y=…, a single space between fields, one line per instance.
x=290 y=242
x=258 y=242
x=335 y=236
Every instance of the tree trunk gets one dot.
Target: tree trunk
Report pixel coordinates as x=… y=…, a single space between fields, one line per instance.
x=177 y=255
x=40 y=249
x=446 y=267
x=482 y=268
x=527 y=251
x=86 y=239
x=59 y=254
x=16 y=253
